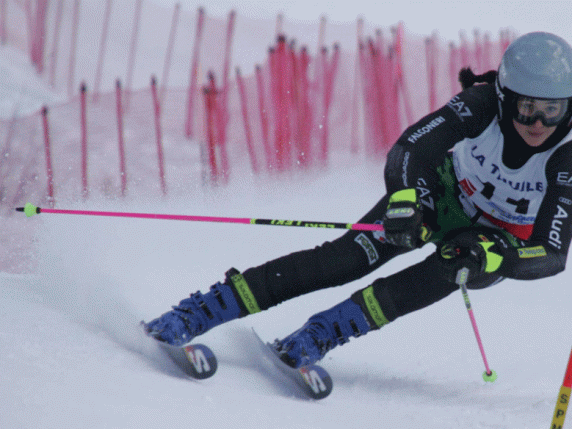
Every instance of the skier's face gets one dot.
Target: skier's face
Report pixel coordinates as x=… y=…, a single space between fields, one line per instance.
x=535 y=134
x=551 y=112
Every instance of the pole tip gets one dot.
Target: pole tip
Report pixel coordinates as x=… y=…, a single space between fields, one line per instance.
x=29 y=209
x=490 y=377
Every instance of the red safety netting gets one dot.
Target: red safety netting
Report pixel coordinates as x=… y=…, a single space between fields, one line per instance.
x=162 y=102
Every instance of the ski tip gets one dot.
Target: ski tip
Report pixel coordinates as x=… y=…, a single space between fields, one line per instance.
x=203 y=362
x=146 y=329
x=319 y=384
x=195 y=360
x=313 y=380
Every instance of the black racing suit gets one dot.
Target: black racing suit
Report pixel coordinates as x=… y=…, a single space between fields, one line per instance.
x=421 y=158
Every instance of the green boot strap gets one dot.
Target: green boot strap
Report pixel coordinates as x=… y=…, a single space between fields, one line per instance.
x=374 y=310
x=243 y=290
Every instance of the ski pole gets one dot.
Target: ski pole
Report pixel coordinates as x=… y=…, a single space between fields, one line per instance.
x=563 y=398
x=30 y=210
x=489 y=375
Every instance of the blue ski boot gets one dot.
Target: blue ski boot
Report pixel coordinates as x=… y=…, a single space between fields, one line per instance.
x=199 y=313
x=321 y=333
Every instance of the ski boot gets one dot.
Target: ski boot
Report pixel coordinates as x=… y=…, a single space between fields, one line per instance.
x=199 y=313
x=321 y=333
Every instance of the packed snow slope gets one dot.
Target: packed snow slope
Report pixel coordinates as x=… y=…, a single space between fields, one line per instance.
x=72 y=354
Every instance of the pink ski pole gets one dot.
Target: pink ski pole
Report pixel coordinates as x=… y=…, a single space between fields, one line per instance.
x=30 y=210
x=489 y=375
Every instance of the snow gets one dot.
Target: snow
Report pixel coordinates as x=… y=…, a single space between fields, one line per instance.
x=72 y=355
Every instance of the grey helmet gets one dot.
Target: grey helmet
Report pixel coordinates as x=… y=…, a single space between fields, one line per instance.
x=536 y=65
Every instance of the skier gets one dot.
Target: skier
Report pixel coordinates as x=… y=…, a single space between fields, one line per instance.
x=487 y=178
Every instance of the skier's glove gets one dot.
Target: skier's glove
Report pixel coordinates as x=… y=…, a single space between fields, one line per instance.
x=403 y=220
x=471 y=250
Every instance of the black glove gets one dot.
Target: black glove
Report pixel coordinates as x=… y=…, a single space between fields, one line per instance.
x=472 y=251
x=403 y=220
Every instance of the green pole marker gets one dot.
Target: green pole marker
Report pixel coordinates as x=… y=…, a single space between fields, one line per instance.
x=490 y=378
x=29 y=209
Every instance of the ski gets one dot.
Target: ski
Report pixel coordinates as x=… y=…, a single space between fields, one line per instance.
x=313 y=380
x=199 y=362
x=195 y=360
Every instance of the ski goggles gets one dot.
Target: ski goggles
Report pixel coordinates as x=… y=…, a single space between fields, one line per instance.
x=551 y=112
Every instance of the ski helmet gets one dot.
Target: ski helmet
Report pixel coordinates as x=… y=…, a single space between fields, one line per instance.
x=535 y=80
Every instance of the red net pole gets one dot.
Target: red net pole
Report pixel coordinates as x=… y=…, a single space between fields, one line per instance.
x=209 y=96
x=288 y=89
x=273 y=97
x=280 y=96
x=354 y=137
x=158 y=135
x=387 y=110
x=120 y=140
x=245 y=119
x=75 y=28
x=222 y=97
x=323 y=134
x=30 y=27
x=305 y=116
x=279 y=24
x=478 y=51
x=48 y=155
x=55 y=42
x=40 y=34
x=83 y=117
x=226 y=67
x=405 y=95
x=330 y=70
x=453 y=68
x=487 y=63
x=464 y=51
x=393 y=88
x=263 y=117
x=378 y=100
x=30 y=18
x=504 y=40
x=365 y=66
x=133 y=50
x=430 y=50
x=189 y=129
x=295 y=102
x=218 y=127
x=102 y=47
x=169 y=53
